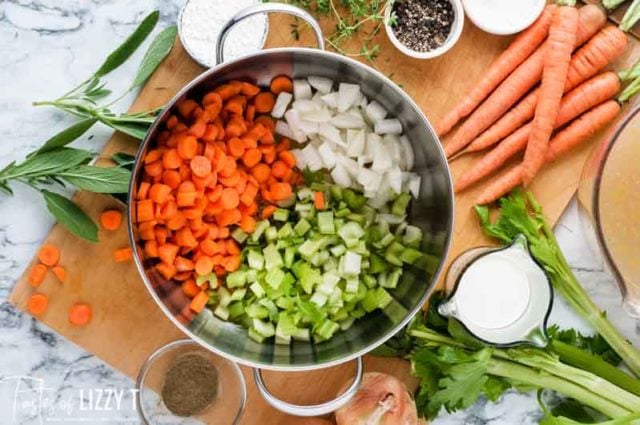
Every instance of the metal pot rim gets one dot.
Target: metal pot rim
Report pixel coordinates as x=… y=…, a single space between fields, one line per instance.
x=151 y=134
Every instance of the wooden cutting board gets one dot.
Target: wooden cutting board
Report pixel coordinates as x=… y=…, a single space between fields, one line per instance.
x=128 y=326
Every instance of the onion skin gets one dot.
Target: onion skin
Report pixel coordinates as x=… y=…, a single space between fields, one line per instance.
x=381 y=400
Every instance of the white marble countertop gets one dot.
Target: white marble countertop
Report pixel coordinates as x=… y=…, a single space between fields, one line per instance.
x=50 y=45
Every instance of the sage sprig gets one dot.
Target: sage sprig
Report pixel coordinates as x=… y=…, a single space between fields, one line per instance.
x=82 y=100
x=61 y=167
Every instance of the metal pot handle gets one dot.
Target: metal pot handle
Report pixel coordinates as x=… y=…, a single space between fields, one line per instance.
x=318 y=409
x=266 y=8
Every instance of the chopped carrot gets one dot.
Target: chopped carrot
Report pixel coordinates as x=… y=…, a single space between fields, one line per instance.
x=199 y=302
x=264 y=102
x=281 y=83
x=235 y=127
x=183 y=264
x=80 y=314
x=249 y=89
x=159 y=193
x=268 y=211
x=229 y=217
x=288 y=158
x=280 y=191
x=236 y=147
x=60 y=273
x=236 y=105
x=204 y=265
x=229 y=199
x=267 y=122
x=171 y=160
x=318 y=201
x=189 y=288
x=37 y=303
x=144 y=210
x=37 y=275
x=261 y=172
x=49 y=255
x=171 y=178
x=143 y=190
x=167 y=271
x=122 y=255
x=200 y=166
x=279 y=169
x=248 y=224
x=187 y=147
x=186 y=107
x=251 y=157
x=111 y=219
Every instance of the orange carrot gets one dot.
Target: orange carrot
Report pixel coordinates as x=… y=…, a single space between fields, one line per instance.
x=189 y=288
x=199 y=302
x=187 y=147
x=518 y=51
x=80 y=314
x=144 y=210
x=268 y=211
x=281 y=83
x=318 y=201
x=229 y=199
x=60 y=273
x=562 y=38
x=248 y=224
x=49 y=255
x=236 y=147
x=171 y=160
x=579 y=100
x=200 y=166
x=204 y=265
x=159 y=193
x=261 y=172
x=251 y=157
x=123 y=254
x=606 y=46
x=111 y=219
x=37 y=275
x=264 y=102
x=37 y=304
x=579 y=131
x=591 y=19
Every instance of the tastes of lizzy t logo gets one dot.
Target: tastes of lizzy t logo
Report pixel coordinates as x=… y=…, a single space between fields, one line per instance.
x=27 y=400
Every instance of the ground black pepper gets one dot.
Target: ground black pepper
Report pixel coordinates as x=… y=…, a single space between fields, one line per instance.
x=422 y=25
x=190 y=385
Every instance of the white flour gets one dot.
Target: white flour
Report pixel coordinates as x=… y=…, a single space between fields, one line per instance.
x=202 y=20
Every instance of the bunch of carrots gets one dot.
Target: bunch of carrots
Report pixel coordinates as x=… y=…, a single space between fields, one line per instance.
x=565 y=51
x=215 y=166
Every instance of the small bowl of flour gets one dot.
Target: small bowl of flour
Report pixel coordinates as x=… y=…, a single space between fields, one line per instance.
x=200 y=22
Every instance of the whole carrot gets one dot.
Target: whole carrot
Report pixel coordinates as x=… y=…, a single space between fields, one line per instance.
x=591 y=19
x=562 y=39
x=576 y=133
x=584 y=97
x=517 y=52
x=601 y=50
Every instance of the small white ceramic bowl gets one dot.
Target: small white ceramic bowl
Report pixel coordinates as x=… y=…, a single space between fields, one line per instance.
x=523 y=15
x=452 y=39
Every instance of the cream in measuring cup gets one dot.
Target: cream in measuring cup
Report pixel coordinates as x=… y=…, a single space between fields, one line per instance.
x=502 y=296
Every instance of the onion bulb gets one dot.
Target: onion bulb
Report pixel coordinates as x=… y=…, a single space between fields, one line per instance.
x=381 y=400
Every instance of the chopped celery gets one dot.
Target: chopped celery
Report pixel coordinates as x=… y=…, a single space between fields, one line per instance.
x=257 y=289
x=352 y=284
x=369 y=280
x=344 y=212
x=393 y=252
x=257 y=311
x=274 y=278
x=235 y=309
x=376 y=298
x=238 y=294
x=256 y=336
x=289 y=256
x=222 y=312
x=265 y=329
x=336 y=192
x=252 y=275
x=353 y=200
x=302 y=227
x=211 y=278
x=225 y=297
x=255 y=260
x=236 y=279
x=239 y=235
x=325 y=223
x=319 y=299
x=327 y=329
x=400 y=205
x=410 y=255
x=271 y=233
x=260 y=228
x=351 y=231
x=272 y=257
x=351 y=265
x=281 y=215
x=338 y=250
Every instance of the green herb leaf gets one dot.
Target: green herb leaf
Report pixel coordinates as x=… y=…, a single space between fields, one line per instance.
x=98 y=179
x=47 y=163
x=130 y=45
x=593 y=344
x=158 y=50
x=71 y=216
x=124 y=160
x=67 y=135
x=139 y=131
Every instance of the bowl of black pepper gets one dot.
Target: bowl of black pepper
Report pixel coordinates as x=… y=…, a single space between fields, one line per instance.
x=424 y=29
x=184 y=381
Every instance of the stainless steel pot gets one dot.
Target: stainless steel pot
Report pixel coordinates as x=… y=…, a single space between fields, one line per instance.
x=432 y=212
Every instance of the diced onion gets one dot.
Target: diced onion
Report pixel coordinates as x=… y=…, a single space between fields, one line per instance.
x=282 y=102
x=391 y=126
x=301 y=89
x=322 y=84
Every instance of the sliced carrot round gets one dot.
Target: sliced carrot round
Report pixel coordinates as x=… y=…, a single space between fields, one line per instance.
x=60 y=273
x=229 y=199
x=37 y=303
x=204 y=265
x=49 y=255
x=111 y=219
x=80 y=314
x=200 y=166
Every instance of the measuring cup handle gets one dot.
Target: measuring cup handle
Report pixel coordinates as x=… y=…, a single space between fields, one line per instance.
x=266 y=8
x=318 y=409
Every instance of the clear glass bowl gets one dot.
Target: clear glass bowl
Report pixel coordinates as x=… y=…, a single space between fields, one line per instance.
x=226 y=408
x=609 y=205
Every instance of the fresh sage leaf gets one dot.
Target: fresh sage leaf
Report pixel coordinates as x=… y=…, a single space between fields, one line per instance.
x=124 y=160
x=139 y=131
x=130 y=45
x=68 y=135
x=71 y=216
x=158 y=50
x=52 y=162
x=98 y=179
